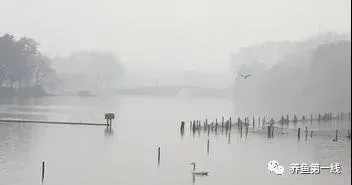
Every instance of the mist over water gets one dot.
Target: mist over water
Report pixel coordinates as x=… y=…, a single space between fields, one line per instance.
x=90 y=155
x=157 y=63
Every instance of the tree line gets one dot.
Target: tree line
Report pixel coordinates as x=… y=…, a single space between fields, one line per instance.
x=22 y=65
x=314 y=77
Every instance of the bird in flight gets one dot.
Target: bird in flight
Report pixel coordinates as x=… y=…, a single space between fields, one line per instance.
x=245 y=76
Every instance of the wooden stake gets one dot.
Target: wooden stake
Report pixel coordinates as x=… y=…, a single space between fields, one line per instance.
x=299 y=133
x=208 y=147
x=222 y=122
x=158 y=155
x=241 y=130
x=246 y=130
x=229 y=138
x=43 y=170
x=230 y=123
x=208 y=129
x=272 y=131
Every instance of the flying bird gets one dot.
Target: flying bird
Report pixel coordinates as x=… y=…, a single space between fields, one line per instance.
x=245 y=76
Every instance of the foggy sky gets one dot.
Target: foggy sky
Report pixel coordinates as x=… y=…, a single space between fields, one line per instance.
x=189 y=34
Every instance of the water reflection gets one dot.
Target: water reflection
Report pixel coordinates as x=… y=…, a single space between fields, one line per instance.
x=109 y=132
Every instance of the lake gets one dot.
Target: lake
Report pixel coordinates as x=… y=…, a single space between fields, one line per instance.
x=91 y=155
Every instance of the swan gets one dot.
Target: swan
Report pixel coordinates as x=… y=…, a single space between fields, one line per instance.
x=198 y=173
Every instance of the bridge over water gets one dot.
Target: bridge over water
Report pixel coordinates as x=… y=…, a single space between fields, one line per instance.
x=175 y=90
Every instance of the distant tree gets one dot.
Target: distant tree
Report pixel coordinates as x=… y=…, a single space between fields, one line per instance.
x=103 y=69
x=21 y=63
x=316 y=76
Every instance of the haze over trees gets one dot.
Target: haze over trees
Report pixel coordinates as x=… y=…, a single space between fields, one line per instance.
x=25 y=71
x=89 y=70
x=23 y=68
x=309 y=76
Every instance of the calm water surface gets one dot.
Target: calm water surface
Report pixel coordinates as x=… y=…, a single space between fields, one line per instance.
x=90 y=155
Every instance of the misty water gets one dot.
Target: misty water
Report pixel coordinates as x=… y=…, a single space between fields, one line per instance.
x=128 y=155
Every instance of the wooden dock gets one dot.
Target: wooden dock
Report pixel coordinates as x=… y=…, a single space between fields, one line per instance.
x=52 y=122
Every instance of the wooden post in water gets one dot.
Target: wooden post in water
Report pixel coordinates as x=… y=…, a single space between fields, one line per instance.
x=208 y=129
x=241 y=130
x=247 y=129
x=208 y=147
x=230 y=123
x=253 y=123
x=311 y=118
x=306 y=133
x=229 y=138
x=43 y=170
x=299 y=133
x=158 y=155
x=194 y=127
x=311 y=133
x=222 y=122
x=109 y=117
x=336 y=137
x=272 y=131
x=182 y=129
x=238 y=123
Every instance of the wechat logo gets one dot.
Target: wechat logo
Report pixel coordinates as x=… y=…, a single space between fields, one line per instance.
x=274 y=166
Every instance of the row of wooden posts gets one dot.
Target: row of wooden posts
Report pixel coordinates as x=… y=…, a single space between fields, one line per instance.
x=311 y=134
x=270 y=135
x=196 y=125
x=321 y=117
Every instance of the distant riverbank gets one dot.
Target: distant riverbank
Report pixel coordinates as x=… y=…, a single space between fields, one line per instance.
x=36 y=91
x=175 y=91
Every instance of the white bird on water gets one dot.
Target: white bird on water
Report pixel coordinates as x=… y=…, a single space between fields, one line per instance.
x=198 y=173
